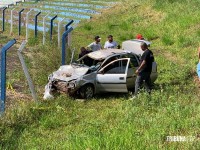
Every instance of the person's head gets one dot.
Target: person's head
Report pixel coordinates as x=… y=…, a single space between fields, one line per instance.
x=139 y=37
x=110 y=38
x=144 y=46
x=97 y=39
x=82 y=49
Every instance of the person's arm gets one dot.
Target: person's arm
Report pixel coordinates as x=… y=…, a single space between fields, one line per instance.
x=105 y=45
x=141 y=66
x=79 y=56
x=143 y=62
x=116 y=45
x=89 y=46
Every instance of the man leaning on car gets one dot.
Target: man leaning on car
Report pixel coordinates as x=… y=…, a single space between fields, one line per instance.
x=144 y=70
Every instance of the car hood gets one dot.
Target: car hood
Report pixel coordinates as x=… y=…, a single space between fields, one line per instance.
x=70 y=72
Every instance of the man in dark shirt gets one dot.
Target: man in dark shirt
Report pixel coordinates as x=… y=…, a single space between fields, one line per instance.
x=144 y=70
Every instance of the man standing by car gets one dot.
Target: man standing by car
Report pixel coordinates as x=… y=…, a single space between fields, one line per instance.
x=111 y=43
x=96 y=45
x=144 y=70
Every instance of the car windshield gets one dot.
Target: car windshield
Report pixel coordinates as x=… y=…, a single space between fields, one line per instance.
x=88 y=62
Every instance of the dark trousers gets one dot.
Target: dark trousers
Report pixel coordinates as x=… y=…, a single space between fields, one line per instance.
x=143 y=77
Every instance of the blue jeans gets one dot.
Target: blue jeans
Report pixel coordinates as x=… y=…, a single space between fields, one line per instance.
x=144 y=76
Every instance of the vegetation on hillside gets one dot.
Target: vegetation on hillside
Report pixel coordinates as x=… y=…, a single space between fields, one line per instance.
x=112 y=121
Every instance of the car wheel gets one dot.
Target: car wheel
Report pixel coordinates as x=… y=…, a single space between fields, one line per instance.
x=87 y=91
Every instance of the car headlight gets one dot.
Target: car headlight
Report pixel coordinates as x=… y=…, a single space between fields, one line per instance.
x=72 y=84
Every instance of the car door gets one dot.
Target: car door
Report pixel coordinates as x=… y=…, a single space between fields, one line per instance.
x=131 y=76
x=112 y=77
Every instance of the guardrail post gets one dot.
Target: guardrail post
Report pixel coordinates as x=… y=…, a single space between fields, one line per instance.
x=51 y=28
x=36 y=19
x=44 y=28
x=59 y=30
x=27 y=23
x=18 y=2
x=25 y=69
x=10 y=5
x=65 y=34
x=3 y=73
x=3 y=23
x=69 y=35
x=20 y=13
x=67 y=25
x=11 y=21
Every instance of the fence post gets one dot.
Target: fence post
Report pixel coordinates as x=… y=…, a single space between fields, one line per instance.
x=27 y=23
x=59 y=30
x=67 y=25
x=3 y=73
x=3 y=23
x=20 y=12
x=65 y=34
x=36 y=19
x=44 y=28
x=69 y=35
x=18 y=2
x=51 y=28
x=11 y=21
x=25 y=69
x=10 y=5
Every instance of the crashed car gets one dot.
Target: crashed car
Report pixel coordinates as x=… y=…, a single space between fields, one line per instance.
x=111 y=70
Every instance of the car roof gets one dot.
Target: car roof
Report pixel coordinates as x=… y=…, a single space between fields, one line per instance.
x=102 y=54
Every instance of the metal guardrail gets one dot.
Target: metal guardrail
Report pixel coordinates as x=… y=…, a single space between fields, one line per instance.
x=67 y=25
x=3 y=23
x=27 y=23
x=36 y=23
x=20 y=13
x=3 y=74
x=64 y=36
x=25 y=69
x=51 y=27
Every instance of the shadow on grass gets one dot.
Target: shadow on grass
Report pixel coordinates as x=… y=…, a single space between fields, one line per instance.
x=111 y=96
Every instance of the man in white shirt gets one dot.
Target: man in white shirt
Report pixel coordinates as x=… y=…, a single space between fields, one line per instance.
x=110 y=43
x=96 y=45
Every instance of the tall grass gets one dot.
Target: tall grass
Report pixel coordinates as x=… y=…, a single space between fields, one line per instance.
x=110 y=121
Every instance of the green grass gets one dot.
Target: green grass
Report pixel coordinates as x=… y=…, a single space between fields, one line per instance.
x=110 y=121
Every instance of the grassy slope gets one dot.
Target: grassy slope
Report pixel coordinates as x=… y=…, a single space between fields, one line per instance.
x=112 y=122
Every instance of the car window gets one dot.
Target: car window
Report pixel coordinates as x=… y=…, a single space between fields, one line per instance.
x=133 y=60
x=117 y=67
x=110 y=60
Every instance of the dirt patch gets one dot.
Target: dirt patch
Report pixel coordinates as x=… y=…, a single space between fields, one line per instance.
x=169 y=56
x=150 y=14
x=193 y=28
x=14 y=98
x=16 y=82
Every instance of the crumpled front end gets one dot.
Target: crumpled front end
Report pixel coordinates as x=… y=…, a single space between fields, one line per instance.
x=66 y=80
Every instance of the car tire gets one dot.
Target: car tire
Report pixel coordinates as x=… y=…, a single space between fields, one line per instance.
x=87 y=91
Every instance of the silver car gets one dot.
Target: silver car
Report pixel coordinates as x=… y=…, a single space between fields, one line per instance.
x=110 y=70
